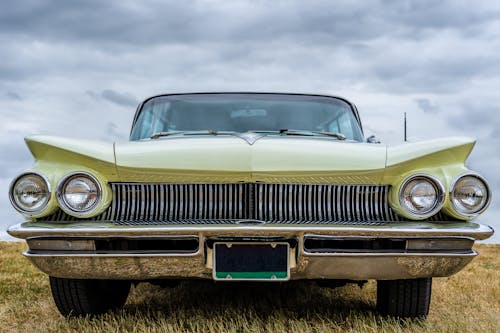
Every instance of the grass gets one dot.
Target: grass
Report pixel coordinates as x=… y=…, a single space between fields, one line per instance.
x=466 y=302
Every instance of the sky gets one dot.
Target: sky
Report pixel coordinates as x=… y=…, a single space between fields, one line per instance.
x=79 y=68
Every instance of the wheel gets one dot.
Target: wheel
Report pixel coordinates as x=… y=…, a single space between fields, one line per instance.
x=404 y=298
x=77 y=297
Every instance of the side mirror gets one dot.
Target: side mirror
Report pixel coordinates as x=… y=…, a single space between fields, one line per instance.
x=372 y=139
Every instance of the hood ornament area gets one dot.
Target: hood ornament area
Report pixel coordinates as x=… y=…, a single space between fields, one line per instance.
x=249 y=137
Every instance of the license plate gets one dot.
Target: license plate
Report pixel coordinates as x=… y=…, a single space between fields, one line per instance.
x=251 y=261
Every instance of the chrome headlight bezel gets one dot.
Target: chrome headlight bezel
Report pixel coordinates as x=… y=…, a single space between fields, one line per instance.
x=17 y=206
x=61 y=199
x=452 y=190
x=435 y=208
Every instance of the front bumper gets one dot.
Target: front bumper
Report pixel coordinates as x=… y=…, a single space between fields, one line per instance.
x=382 y=252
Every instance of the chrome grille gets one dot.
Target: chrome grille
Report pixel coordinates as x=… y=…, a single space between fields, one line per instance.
x=178 y=201
x=139 y=203
x=266 y=202
x=293 y=202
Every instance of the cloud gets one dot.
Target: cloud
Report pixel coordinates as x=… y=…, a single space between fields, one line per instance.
x=154 y=22
x=480 y=116
x=118 y=98
x=112 y=131
x=399 y=46
x=92 y=94
x=14 y=96
x=425 y=105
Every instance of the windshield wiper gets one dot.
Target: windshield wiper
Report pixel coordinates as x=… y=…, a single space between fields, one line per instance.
x=339 y=136
x=209 y=132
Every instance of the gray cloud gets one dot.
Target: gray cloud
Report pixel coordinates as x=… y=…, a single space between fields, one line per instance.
x=92 y=94
x=481 y=116
x=113 y=132
x=118 y=98
x=121 y=99
x=14 y=96
x=425 y=105
x=390 y=41
x=178 y=21
x=19 y=157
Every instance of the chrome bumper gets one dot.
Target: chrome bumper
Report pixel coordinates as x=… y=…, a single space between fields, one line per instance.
x=429 y=250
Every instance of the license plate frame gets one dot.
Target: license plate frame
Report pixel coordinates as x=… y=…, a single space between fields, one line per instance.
x=251 y=261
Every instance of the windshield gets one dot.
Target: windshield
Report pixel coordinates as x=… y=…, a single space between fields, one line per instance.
x=245 y=113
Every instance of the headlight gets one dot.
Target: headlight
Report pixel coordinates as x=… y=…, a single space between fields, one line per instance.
x=470 y=195
x=421 y=196
x=78 y=193
x=30 y=193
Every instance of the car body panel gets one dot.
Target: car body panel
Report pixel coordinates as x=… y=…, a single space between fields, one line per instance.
x=268 y=157
x=230 y=159
x=234 y=160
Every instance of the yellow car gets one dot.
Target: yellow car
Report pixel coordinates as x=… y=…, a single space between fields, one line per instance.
x=248 y=187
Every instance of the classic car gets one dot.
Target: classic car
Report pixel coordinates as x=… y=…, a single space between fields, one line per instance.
x=236 y=187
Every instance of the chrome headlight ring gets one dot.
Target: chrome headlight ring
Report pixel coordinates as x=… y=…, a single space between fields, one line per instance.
x=481 y=192
x=22 y=194
x=79 y=193
x=430 y=201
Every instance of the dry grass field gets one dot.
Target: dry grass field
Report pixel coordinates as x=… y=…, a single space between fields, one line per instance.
x=466 y=302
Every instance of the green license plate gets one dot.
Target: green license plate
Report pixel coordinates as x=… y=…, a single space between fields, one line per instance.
x=251 y=261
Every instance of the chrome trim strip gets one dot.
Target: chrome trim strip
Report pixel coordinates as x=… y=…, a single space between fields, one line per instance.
x=472 y=230
x=428 y=245
x=439 y=244
x=472 y=253
x=66 y=244
x=109 y=255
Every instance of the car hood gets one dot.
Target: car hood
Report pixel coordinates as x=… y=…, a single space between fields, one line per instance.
x=232 y=159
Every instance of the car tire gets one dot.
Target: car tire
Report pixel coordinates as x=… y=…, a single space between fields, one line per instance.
x=404 y=298
x=79 y=297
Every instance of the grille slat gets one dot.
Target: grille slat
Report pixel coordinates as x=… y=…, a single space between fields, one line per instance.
x=134 y=204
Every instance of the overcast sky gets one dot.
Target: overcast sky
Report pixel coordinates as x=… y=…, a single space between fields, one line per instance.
x=80 y=69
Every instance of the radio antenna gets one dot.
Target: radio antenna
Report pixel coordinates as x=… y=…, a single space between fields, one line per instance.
x=405 y=128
